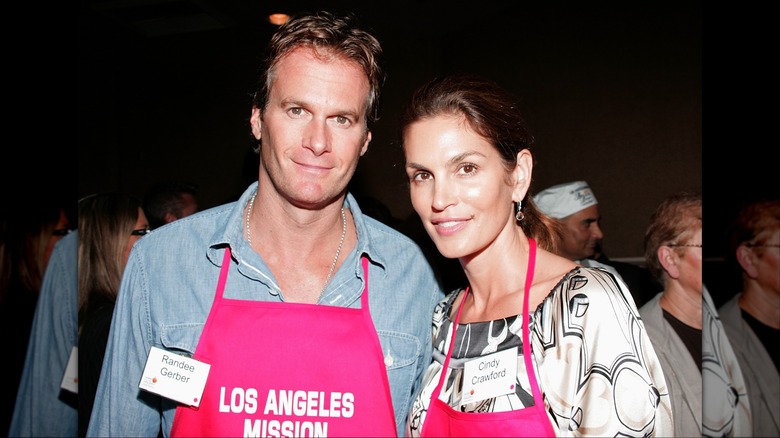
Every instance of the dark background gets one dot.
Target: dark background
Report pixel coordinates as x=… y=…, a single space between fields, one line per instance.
x=611 y=90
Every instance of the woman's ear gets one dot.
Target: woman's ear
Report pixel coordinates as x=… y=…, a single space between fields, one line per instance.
x=521 y=175
x=747 y=260
x=669 y=260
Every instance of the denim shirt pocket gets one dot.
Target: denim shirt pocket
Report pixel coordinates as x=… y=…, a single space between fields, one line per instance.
x=181 y=338
x=400 y=352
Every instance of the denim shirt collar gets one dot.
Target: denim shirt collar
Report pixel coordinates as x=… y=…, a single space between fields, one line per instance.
x=231 y=233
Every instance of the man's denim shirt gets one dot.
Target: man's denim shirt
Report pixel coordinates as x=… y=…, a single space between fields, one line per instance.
x=39 y=410
x=169 y=285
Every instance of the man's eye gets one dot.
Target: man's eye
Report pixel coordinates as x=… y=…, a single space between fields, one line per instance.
x=341 y=120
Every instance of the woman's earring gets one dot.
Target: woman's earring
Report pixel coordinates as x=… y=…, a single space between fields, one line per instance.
x=519 y=211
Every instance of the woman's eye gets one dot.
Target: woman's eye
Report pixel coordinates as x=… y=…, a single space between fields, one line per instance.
x=421 y=176
x=468 y=168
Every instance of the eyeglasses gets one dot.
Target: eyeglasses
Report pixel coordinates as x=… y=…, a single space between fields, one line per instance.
x=61 y=232
x=141 y=231
x=687 y=245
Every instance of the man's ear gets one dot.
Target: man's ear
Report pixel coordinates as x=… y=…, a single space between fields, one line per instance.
x=747 y=260
x=669 y=260
x=521 y=175
x=256 y=122
x=365 y=144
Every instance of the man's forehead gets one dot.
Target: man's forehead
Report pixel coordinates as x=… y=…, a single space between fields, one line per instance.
x=586 y=214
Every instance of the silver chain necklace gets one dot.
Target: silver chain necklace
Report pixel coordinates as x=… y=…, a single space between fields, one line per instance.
x=338 y=250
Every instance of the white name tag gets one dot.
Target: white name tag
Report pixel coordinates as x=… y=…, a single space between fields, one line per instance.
x=70 y=380
x=489 y=376
x=175 y=376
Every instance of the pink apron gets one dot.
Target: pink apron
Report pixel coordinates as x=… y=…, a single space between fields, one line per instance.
x=441 y=420
x=289 y=369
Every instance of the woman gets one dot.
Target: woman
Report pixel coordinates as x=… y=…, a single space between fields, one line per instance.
x=752 y=316
x=523 y=358
x=675 y=320
x=109 y=226
x=28 y=233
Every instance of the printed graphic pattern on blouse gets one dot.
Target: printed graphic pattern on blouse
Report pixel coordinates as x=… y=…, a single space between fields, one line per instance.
x=595 y=364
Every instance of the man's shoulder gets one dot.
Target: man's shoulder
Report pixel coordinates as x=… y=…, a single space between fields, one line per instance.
x=403 y=260
x=384 y=234
x=186 y=237
x=203 y=221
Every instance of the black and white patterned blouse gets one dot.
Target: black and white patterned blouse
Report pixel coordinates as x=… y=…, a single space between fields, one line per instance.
x=596 y=368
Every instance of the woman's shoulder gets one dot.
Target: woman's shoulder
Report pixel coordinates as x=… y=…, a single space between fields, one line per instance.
x=445 y=304
x=588 y=280
x=593 y=287
x=443 y=308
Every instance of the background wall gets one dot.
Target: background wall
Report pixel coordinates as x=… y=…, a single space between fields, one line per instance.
x=613 y=93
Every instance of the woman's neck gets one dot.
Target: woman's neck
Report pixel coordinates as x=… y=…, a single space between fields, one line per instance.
x=761 y=304
x=683 y=304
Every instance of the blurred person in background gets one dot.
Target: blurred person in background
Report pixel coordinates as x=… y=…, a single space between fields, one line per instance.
x=109 y=225
x=50 y=351
x=752 y=316
x=27 y=238
x=673 y=316
x=684 y=328
x=169 y=200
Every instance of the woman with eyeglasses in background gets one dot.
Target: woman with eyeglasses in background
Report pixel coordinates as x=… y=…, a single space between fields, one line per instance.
x=752 y=317
x=683 y=326
x=109 y=226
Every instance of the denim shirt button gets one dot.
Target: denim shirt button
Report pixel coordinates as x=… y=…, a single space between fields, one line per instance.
x=388 y=360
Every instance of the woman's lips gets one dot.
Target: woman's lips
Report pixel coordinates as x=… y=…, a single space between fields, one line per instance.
x=448 y=227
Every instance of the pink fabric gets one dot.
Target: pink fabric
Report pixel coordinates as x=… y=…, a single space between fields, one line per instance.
x=322 y=365
x=441 y=420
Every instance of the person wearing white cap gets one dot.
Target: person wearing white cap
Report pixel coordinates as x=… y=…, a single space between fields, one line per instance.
x=575 y=207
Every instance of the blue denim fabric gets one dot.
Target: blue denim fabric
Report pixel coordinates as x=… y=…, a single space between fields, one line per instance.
x=38 y=410
x=169 y=284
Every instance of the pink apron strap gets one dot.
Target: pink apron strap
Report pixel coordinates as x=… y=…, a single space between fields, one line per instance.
x=364 y=297
x=446 y=364
x=529 y=278
x=529 y=364
x=223 y=273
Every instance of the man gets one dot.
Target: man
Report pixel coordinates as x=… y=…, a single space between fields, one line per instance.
x=574 y=205
x=287 y=312
x=167 y=201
